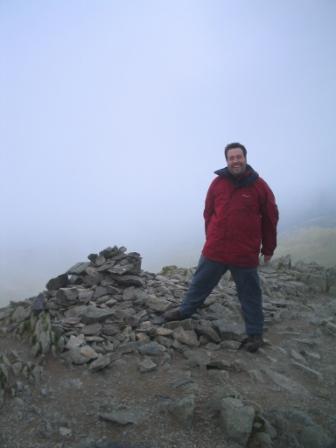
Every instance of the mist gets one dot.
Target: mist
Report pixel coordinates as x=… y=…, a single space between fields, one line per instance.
x=114 y=116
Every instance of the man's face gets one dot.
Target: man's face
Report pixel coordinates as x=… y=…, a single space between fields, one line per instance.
x=236 y=161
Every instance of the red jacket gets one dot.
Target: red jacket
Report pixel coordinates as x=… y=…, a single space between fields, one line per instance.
x=240 y=219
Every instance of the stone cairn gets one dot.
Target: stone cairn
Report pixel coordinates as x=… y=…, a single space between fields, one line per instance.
x=109 y=304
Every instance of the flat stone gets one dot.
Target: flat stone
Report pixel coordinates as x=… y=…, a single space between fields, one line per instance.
x=92 y=314
x=70 y=320
x=146 y=365
x=78 y=268
x=152 y=349
x=100 y=363
x=220 y=364
x=100 y=291
x=121 y=416
x=88 y=352
x=162 y=331
x=128 y=280
x=94 y=339
x=92 y=329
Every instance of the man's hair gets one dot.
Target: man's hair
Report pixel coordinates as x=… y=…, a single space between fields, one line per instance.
x=234 y=145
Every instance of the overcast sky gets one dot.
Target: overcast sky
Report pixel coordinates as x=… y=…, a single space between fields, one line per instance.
x=114 y=115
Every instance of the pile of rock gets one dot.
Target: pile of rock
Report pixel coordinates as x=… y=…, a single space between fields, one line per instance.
x=109 y=304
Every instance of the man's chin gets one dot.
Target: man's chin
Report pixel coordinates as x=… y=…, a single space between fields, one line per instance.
x=237 y=172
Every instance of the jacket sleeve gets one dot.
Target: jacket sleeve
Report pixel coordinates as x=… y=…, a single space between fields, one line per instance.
x=209 y=207
x=270 y=217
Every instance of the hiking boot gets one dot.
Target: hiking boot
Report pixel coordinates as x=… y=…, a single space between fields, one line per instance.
x=174 y=314
x=252 y=343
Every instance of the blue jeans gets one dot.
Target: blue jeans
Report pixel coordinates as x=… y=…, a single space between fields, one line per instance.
x=207 y=276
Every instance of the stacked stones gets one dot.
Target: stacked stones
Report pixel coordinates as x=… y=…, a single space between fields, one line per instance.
x=110 y=305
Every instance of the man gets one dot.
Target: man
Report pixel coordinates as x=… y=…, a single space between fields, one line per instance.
x=240 y=223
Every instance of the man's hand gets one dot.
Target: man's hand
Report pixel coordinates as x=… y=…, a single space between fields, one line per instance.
x=267 y=258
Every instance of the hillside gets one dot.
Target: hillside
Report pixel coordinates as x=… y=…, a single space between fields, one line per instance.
x=90 y=362
x=309 y=244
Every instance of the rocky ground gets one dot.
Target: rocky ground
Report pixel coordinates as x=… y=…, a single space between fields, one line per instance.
x=90 y=363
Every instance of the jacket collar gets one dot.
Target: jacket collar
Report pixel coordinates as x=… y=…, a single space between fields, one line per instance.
x=246 y=179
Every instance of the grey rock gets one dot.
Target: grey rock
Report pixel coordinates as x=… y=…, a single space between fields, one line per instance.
x=110 y=329
x=75 y=341
x=93 y=277
x=92 y=329
x=237 y=419
x=92 y=314
x=100 y=363
x=66 y=296
x=331 y=328
x=43 y=332
x=162 y=331
x=157 y=305
x=99 y=292
x=146 y=365
x=81 y=355
x=166 y=342
x=121 y=416
x=61 y=281
x=78 y=268
x=132 y=293
x=282 y=262
x=152 y=349
x=39 y=304
x=187 y=337
x=197 y=357
x=129 y=280
x=183 y=410
x=21 y=313
x=229 y=330
x=314 y=436
x=111 y=252
x=5 y=313
x=261 y=440
x=220 y=364
x=204 y=328
x=99 y=260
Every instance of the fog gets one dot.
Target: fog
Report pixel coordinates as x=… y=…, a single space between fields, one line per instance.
x=114 y=116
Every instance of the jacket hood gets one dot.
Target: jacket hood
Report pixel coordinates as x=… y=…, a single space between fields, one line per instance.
x=246 y=179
